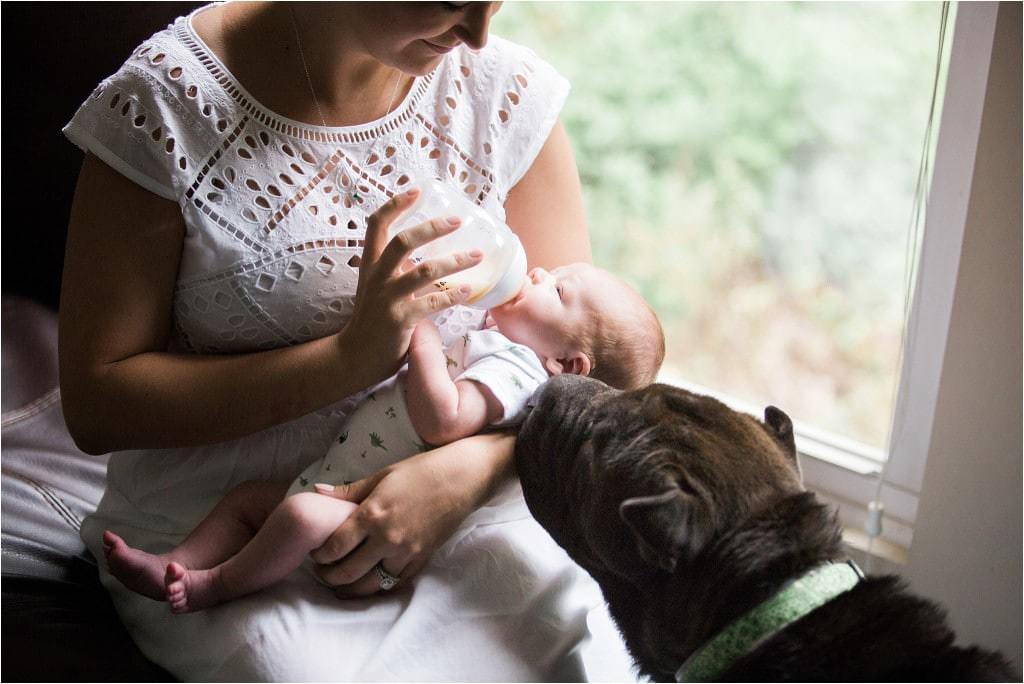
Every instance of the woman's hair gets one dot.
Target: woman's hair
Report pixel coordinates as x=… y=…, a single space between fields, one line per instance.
x=626 y=345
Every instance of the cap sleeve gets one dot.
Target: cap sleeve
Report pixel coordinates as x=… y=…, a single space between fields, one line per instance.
x=140 y=121
x=528 y=95
x=510 y=371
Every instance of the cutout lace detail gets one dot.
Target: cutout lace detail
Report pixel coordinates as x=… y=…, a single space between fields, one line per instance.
x=276 y=210
x=345 y=135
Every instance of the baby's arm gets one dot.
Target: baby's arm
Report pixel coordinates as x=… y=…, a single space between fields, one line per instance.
x=441 y=410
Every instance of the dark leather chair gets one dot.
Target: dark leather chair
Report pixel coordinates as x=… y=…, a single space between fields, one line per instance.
x=58 y=622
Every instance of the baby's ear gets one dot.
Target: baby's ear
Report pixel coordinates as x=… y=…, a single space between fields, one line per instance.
x=576 y=364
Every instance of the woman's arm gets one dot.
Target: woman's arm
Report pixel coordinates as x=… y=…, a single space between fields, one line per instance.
x=121 y=388
x=441 y=410
x=545 y=209
x=409 y=509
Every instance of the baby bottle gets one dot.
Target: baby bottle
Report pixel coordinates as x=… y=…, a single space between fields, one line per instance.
x=500 y=274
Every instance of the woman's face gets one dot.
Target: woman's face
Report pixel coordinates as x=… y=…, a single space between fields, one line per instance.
x=414 y=36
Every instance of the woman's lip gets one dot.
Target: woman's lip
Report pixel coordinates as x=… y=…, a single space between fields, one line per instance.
x=440 y=49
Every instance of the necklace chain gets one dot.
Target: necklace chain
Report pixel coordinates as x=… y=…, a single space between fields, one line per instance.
x=312 y=91
x=309 y=80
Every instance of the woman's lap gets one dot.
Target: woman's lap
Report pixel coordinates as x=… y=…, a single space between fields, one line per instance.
x=498 y=602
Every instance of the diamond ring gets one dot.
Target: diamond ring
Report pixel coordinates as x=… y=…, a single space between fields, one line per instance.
x=386 y=580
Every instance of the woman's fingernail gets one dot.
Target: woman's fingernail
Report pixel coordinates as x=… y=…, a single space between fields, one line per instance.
x=453 y=220
x=412 y=192
x=475 y=254
x=464 y=291
x=323 y=488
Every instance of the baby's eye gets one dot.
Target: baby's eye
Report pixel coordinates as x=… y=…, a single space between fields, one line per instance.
x=558 y=288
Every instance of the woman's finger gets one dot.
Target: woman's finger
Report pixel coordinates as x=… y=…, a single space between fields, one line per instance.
x=357 y=568
x=438 y=301
x=428 y=272
x=351 y=491
x=354 y=530
x=369 y=583
x=345 y=539
x=379 y=222
x=398 y=249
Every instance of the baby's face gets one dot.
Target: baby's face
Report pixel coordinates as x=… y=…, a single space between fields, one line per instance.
x=553 y=308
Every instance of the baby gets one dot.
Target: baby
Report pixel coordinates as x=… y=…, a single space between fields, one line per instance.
x=574 y=319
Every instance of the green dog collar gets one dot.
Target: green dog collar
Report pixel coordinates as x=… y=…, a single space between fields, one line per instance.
x=812 y=590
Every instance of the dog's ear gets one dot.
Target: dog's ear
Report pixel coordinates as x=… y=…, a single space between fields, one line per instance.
x=781 y=427
x=666 y=526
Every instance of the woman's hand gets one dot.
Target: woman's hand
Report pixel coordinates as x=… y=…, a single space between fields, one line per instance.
x=386 y=309
x=409 y=509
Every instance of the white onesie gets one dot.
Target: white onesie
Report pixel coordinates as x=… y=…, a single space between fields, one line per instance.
x=379 y=431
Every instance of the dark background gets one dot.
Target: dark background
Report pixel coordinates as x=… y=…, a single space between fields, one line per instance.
x=54 y=55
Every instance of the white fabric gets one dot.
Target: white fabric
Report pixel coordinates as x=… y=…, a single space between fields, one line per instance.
x=274 y=211
x=380 y=432
x=48 y=484
x=510 y=371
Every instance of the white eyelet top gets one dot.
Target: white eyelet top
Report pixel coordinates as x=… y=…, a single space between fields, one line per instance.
x=275 y=213
x=276 y=209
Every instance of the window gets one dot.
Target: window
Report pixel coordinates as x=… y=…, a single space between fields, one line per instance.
x=752 y=168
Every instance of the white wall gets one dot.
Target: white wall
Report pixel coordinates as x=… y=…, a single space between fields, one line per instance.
x=966 y=551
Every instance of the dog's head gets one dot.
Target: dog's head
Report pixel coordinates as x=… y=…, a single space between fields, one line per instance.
x=633 y=484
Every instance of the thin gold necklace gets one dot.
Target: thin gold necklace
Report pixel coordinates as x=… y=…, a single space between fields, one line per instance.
x=312 y=90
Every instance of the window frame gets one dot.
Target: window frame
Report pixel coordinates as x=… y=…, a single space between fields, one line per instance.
x=842 y=471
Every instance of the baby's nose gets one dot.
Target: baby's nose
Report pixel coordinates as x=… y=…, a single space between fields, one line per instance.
x=538 y=275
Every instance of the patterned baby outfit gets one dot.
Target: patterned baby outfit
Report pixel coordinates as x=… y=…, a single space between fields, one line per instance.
x=380 y=432
x=275 y=213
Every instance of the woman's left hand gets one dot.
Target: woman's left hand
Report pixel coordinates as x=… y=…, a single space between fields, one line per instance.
x=408 y=510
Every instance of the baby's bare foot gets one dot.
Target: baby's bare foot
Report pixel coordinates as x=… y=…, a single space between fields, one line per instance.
x=189 y=590
x=141 y=572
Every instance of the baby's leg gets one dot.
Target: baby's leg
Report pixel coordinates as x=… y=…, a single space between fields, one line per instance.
x=225 y=530
x=300 y=524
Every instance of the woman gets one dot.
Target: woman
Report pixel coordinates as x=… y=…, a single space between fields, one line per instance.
x=217 y=323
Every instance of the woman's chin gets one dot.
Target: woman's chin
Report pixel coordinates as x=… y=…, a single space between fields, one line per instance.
x=419 y=64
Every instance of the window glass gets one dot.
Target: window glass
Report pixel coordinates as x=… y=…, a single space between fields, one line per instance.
x=751 y=168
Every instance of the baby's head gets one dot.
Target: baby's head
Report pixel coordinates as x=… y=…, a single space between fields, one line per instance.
x=582 y=319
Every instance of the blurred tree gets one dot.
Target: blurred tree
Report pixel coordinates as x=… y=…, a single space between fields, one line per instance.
x=751 y=168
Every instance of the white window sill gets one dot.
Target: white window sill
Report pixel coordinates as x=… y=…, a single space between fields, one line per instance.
x=810 y=441
x=843 y=473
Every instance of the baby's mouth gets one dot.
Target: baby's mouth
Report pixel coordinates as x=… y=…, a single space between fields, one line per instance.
x=519 y=295
x=515 y=300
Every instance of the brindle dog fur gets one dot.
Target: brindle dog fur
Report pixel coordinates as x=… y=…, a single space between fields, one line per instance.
x=689 y=514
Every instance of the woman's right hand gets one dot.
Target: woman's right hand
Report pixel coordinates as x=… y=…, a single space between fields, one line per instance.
x=120 y=386
x=386 y=309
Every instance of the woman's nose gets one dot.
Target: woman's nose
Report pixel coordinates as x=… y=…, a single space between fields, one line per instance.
x=473 y=29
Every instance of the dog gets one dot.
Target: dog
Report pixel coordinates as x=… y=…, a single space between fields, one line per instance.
x=715 y=562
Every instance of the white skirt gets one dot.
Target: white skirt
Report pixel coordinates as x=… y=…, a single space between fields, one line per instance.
x=500 y=601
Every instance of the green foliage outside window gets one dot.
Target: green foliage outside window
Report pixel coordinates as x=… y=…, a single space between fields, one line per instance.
x=751 y=168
